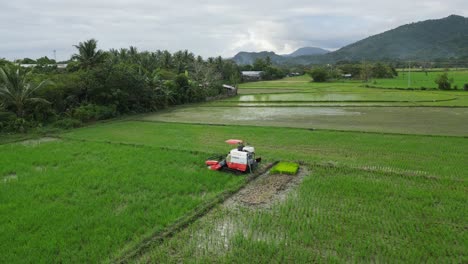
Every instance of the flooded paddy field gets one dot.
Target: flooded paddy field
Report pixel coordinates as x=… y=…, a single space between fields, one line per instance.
x=405 y=120
x=370 y=96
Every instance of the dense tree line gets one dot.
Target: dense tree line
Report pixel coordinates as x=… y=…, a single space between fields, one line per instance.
x=360 y=71
x=101 y=84
x=269 y=71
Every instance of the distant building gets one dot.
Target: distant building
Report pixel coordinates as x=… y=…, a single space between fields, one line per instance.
x=252 y=75
x=293 y=74
x=59 y=66
x=230 y=90
x=28 y=65
x=347 y=76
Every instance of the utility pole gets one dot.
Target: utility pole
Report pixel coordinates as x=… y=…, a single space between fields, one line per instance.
x=409 y=74
x=55 y=56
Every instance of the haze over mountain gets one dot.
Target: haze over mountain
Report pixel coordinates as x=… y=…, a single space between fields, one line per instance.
x=307 y=51
x=423 y=41
x=243 y=58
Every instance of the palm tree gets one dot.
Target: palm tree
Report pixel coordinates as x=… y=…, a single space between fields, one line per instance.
x=16 y=91
x=166 y=60
x=163 y=94
x=88 y=55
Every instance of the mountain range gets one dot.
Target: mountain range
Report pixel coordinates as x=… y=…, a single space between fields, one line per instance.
x=422 y=41
x=243 y=58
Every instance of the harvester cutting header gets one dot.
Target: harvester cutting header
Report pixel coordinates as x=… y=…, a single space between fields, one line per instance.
x=241 y=158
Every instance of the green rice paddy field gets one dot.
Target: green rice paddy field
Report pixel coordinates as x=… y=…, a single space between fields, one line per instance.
x=418 y=79
x=73 y=201
x=96 y=193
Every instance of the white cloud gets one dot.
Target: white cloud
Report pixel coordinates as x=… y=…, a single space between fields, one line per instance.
x=31 y=28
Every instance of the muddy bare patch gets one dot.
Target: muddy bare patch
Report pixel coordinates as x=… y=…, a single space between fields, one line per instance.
x=120 y=208
x=10 y=177
x=263 y=190
x=232 y=217
x=40 y=168
x=35 y=142
x=266 y=190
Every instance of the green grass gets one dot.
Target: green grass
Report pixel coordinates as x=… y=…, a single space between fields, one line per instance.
x=8 y=138
x=103 y=189
x=336 y=215
x=421 y=79
x=71 y=201
x=284 y=167
x=418 y=80
x=441 y=157
x=301 y=91
x=369 y=197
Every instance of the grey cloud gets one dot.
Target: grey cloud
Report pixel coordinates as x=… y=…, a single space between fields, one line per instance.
x=32 y=28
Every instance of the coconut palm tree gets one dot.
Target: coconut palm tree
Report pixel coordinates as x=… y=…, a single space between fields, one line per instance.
x=163 y=94
x=16 y=91
x=88 y=55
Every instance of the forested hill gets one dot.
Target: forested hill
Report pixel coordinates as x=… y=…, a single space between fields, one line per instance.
x=430 y=39
x=422 y=41
x=243 y=58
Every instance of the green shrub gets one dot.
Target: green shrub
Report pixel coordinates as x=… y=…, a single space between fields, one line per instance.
x=20 y=125
x=443 y=82
x=319 y=75
x=6 y=116
x=91 y=112
x=9 y=123
x=465 y=87
x=290 y=168
x=67 y=123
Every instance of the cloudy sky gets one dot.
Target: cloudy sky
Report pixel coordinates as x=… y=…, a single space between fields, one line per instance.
x=34 y=28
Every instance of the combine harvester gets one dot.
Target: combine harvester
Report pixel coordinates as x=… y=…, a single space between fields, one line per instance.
x=240 y=159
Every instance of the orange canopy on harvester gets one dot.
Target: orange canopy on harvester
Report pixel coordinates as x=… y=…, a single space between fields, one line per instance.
x=234 y=141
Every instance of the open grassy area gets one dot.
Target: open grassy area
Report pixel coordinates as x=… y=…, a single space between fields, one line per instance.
x=8 y=138
x=301 y=91
x=368 y=197
x=94 y=193
x=420 y=79
x=336 y=215
x=442 y=157
x=72 y=201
